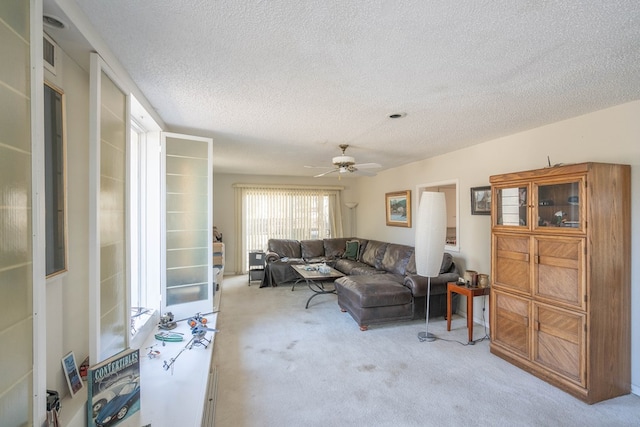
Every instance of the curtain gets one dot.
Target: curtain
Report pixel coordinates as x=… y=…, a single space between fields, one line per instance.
x=284 y=212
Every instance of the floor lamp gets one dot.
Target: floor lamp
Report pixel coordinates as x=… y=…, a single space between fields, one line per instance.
x=352 y=219
x=431 y=232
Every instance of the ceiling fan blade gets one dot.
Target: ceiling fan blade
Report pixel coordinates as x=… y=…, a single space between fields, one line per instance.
x=326 y=173
x=367 y=166
x=318 y=167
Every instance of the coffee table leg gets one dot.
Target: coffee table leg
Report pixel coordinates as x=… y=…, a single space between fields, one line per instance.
x=321 y=290
x=295 y=283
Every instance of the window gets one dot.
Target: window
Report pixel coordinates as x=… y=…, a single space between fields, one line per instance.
x=55 y=182
x=136 y=139
x=287 y=213
x=144 y=223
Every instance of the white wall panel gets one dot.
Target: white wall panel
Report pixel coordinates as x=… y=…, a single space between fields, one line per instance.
x=16 y=276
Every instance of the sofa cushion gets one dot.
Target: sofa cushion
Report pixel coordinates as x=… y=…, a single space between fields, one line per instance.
x=373 y=291
x=334 y=248
x=363 y=245
x=353 y=267
x=352 y=250
x=373 y=253
x=447 y=262
x=312 y=248
x=411 y=265
x=396 y=257
x=285 y=248
x=447 y=265
x=365 y=269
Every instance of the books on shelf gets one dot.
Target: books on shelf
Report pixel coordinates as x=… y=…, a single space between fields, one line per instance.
x=113 y=389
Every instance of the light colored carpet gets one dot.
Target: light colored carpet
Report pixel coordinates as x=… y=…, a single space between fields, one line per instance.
x=280 y=364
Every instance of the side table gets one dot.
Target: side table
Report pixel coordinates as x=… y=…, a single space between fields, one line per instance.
x=469 y=292
x=256 y=265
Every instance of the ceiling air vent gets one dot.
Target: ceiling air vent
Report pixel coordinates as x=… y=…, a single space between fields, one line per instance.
x=49 y=54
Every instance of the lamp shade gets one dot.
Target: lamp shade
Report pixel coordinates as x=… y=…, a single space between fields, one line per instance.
x=431 y=233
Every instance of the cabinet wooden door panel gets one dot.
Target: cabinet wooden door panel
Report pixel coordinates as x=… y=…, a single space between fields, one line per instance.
x=559 y=342
x=512 y=262
x=559 y=270
x=511 y=322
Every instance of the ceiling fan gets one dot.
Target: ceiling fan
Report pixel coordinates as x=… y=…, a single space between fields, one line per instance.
x=344 y=164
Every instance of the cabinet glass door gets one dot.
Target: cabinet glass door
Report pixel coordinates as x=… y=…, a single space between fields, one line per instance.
x=511 y=205
x=559 y=205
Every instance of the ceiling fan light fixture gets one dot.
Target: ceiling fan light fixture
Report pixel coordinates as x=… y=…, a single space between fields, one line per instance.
x=344 y=160
x=343 y=164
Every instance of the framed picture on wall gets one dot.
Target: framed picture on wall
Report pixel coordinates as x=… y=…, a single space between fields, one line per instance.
x=71 y=373
x=398 y=206
x=481 y=200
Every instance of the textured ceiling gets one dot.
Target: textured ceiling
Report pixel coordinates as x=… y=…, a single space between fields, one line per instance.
x=280 y=84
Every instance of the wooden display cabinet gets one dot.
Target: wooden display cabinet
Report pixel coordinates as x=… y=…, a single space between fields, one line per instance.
x=561 y=256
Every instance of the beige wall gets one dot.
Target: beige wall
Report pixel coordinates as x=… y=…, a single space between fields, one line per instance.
x=611 y=135
x=68 y=293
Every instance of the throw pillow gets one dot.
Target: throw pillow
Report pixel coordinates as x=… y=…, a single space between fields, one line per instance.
x=352 y=249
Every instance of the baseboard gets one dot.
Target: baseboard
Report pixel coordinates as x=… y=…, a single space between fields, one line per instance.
x=635 y=389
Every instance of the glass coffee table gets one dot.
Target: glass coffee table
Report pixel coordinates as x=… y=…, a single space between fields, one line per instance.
x=310 y=274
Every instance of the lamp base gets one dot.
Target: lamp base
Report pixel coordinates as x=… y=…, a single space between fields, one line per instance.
x=426 y=336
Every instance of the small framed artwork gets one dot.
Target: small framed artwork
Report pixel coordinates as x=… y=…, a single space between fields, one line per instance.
x=481 y=200
x=398 y=206
x=71 y=373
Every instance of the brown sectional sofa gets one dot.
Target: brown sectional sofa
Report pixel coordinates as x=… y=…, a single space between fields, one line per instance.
x=380 y=283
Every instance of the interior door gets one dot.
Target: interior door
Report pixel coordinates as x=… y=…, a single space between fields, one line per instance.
x=187 y=265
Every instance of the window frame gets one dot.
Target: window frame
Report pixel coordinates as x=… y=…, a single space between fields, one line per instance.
x=61 y=187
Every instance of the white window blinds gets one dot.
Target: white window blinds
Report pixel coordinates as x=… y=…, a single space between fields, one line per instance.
x=285 y=213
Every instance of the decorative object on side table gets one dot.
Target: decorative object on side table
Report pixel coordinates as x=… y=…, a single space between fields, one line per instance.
x=481 y=200
x=483 y=280
x=398 y=208
x=471 y=278
x=431 y=230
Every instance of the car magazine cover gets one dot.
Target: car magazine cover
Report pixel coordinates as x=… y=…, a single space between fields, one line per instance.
x=113 y=389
